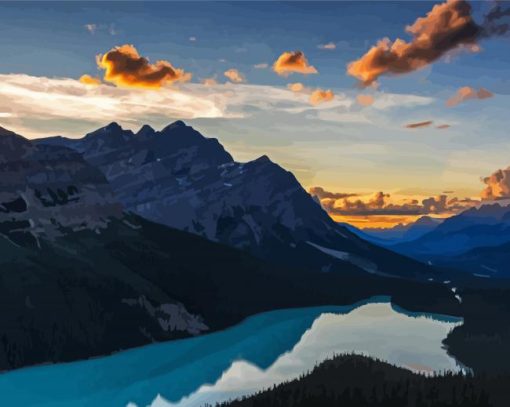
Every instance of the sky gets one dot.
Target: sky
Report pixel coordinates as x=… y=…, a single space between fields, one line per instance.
x=382 y=132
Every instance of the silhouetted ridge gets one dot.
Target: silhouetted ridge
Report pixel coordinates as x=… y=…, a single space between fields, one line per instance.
x=113 y=126
x=263 y=159
x=5 y=132
x=145 y=130
x=112 y=129
x=175 y=125
x=359 y=381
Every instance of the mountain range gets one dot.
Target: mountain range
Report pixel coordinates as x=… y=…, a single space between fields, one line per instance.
x=184 y=180
x=399 y=233
x=93 y=260
x=475 y=240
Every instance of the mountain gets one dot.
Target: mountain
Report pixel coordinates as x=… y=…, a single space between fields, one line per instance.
x=398 y=233
x=44 y=189
x=405 y=232
x=475 y=240
x=81 y=277
x=184 y=180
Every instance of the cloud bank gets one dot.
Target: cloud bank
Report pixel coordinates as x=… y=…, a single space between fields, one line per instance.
x=40 y=106
x=381 y=203
x=321 y=193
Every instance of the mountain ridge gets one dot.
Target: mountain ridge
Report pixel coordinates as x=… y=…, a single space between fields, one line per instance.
x=82 y=277
x=182 y=179
x=474 y=240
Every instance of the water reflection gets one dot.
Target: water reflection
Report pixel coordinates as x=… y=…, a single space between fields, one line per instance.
x=265 y=349
x=373 y=329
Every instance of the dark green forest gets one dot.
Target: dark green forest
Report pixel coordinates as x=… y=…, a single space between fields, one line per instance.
x=358 y=381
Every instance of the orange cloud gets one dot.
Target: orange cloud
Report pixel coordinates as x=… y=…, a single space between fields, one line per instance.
x=446 y=27
x=90 y=80
x=234 y=75
x=382 y=204
x=365 y=100
x=125 y=67
x=293 y=62
x=468 y=93
x=209 y=82
x=419 y=125
x=320 y=96
x=443 y=126
x=296 y=87
x=321 y=193
x=498 y=185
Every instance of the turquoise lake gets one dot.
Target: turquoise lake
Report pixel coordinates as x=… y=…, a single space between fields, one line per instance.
x=263 y=350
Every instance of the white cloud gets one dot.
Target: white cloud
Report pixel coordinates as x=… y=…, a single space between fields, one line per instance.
x=40 y=98
x=388 y=101
x=91 y=28
x=25 y=100
x=327 y=46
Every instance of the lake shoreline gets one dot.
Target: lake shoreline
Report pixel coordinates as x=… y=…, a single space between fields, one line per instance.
x=266 y=345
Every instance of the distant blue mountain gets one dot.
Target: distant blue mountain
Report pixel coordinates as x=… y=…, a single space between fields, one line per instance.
x=398 y=233
x=475 y=240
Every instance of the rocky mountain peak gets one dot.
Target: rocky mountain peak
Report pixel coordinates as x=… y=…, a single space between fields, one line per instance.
x=145 y=130
x=263 y=159
x=12 y=145
x=112 y=129
x=179 y=124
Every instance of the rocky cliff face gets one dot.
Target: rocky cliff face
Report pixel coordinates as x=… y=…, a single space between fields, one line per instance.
x=64 y=294
x=46 y=188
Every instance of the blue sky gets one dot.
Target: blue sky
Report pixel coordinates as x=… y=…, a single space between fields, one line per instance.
x=338 y=145
x=242 y=33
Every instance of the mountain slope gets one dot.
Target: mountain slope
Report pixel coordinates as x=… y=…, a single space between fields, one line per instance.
x=85 y=294
x=43 y=188
x=483 y=261
x=81 y=277
x=184 y=180
x=469 y=229
x=354 y=381
x=475 y=239
x=400 y=233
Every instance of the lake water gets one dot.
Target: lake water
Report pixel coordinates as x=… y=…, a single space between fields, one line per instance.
x=265 y=349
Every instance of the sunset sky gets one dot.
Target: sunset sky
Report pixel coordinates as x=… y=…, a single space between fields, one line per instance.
x=383 y=131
